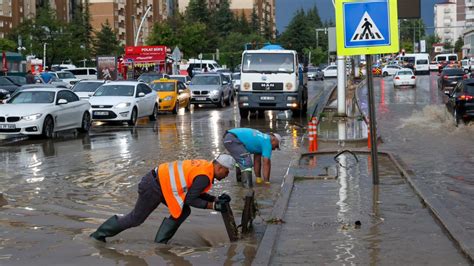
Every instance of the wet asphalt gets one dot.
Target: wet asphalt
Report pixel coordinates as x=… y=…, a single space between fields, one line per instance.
x=60 y=190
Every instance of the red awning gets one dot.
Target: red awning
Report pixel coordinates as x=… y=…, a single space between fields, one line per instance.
x=156 y=59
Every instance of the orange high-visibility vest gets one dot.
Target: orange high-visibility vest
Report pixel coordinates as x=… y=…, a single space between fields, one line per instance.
x=176 y=177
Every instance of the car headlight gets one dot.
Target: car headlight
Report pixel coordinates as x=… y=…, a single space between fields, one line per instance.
x=122 y=105
x=168 y=98
x=31 y=117
x=214 y=92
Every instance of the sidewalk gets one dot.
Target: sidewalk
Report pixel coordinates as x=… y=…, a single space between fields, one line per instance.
x=328 y=211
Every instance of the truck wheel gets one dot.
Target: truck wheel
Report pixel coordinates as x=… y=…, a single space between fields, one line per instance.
x=244 y=113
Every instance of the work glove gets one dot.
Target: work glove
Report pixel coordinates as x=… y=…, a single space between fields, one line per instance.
x=224 y=197
x=220 y=206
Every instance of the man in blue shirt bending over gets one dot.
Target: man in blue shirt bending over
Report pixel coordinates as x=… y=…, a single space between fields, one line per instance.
x=242 y=143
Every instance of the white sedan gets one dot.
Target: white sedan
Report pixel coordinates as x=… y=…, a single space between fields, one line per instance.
x=44 y=111
x=330 y=72
x=390 y=70
x=404 y=77
x=124 y=101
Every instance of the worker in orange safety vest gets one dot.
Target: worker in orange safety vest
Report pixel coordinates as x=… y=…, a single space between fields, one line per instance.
x=179 y=185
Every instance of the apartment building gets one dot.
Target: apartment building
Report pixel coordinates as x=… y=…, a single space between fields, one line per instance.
x=125 y=16
x=14 y=12
x=445 y=17
x=265 y=9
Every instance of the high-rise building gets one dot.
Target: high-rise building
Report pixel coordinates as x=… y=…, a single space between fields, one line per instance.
x=14 y=12
x=125 y=16
x=445 y=18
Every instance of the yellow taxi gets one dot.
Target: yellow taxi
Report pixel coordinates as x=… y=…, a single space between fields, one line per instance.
x=172 y=94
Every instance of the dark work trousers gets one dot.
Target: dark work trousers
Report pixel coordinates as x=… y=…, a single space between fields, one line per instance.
x=149 y=197
x=238 y=151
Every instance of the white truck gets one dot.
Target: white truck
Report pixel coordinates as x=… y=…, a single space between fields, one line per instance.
x=272 y=79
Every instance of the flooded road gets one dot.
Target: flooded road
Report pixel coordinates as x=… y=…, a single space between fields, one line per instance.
x=60 y=190
x=414 y=123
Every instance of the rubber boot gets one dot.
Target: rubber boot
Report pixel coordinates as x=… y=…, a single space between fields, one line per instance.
x=247 y=179
x=166 y=231
x=107 y=229
x=238 y=174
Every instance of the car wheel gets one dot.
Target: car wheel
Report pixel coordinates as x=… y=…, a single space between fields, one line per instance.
x=133 y=117
x=48 y=127
x=86 y=123
x=221 y=103
x=154 y=115
x=244 y=113
x=385 y=74
x=176 y=108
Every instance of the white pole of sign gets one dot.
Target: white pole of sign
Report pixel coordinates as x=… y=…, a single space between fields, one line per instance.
x=341 y=85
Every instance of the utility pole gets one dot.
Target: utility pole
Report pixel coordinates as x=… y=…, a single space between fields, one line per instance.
x=44 y=55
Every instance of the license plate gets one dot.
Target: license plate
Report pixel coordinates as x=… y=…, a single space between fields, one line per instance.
x=405 y=83
x=7 y=126
x=267 y=98
x=101 y=113
x=200 y=98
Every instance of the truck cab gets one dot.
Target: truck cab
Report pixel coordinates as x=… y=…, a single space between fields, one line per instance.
x=272 y=79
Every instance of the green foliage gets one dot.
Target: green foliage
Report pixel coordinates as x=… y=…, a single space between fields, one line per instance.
x=430 y=40
x=193 y=39
x=410 y=28
x=7 y=45
x=448 y=46
x=197 y=11
x=106 y=42
x=300 y=32
x=162 y=34
x=318 y=55
x=223 y=19
x=458 y=45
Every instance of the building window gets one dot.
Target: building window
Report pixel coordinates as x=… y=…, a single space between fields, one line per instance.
x=1 y=23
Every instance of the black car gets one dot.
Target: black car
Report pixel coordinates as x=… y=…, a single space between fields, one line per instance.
x=461 y=101
x=449 y=77
x=17 y=80
x=6 y=84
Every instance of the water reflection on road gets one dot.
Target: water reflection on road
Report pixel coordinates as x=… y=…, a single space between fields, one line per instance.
x=60 y=190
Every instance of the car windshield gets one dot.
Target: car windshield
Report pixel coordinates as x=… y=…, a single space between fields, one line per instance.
x=404 y=72
x=115 y=90
x=236 y=76
x=148 y=78
x=205 y=80
x=313 y=69
x=66 y=75
x=179 y=78
x=18 y=80
x=86 y=86
x=263 y=62
x=4 y=81
x=422 y=62
x=453 y=71
x=163 y=86
x=27 y=97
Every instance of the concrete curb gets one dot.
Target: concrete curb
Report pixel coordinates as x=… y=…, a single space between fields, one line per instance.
x=272 y=232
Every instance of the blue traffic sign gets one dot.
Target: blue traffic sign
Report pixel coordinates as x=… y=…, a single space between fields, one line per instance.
x=366 y=24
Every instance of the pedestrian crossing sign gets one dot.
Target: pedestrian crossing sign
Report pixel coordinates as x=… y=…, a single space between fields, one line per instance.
x=366 y=27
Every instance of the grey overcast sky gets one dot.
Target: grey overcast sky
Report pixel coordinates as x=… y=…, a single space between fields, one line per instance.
x=285 y=9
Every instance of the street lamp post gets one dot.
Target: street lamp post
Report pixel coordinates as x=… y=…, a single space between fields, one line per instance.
x=44 y=55
x=141 y=24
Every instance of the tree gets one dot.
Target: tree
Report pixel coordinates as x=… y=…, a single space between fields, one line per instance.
x=410 y=28
x=458 y=45
x=243 y=25
x=193 y=39
x=197 y=11
x=299 y=34
x=223 y=19
x=447 y=46
x=162 y=34
x=7 y=45
x=255 y=22
x=106 y=42
x=430 y=40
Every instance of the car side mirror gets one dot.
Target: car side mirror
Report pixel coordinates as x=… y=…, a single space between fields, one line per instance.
x=188 y=82
x=447 y=93
x=90 y=94
x=62 y=101
x=225 y=83
x=141 y=94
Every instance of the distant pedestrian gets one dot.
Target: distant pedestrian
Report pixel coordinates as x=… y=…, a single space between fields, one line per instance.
x=45 y=76
x=205 y=70
x=30 y=78
x=190 y=70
